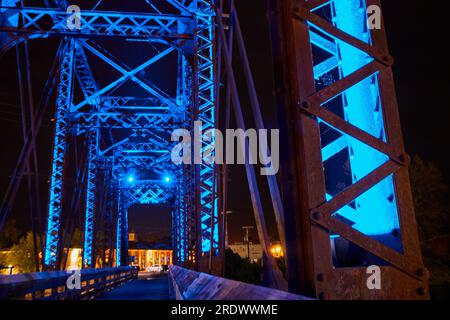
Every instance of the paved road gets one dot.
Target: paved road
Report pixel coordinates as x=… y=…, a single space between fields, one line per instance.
x=146 y=287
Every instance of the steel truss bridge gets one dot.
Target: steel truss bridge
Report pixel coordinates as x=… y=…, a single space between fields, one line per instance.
x=342 y=200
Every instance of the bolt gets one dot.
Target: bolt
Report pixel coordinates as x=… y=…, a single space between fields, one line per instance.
x=404 y=159
x=323 y=296
x=306 y=104
x=395 y=232
x=316 y=215
x=420 y=272
x=321 y=277
x=387 y=59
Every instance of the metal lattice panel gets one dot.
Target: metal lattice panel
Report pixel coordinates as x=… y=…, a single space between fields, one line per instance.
x=63 y=103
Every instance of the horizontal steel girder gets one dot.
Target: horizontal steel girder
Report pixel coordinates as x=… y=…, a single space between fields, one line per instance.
x=140 y=26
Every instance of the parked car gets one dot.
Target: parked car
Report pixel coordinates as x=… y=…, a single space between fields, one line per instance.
x=154 y=268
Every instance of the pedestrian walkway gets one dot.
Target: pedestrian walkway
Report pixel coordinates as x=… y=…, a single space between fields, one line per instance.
x=148 y=286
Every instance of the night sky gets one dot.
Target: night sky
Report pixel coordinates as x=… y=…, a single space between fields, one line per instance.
x=417 y=40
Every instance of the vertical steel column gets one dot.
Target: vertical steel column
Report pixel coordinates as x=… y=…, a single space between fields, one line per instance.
x=63 y=104
x=88 y=250
x=206 y=90
x=180 y=225
x=119 y=230
x=359 y=104
x=179 y=228
x=110 y=209
x=122 y=230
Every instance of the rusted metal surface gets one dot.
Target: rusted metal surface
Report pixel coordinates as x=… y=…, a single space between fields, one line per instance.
x=191 y=285
x=304 y=14
x=297 y=97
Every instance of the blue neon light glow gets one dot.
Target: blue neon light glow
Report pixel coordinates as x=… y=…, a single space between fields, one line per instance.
x=375 y=211
x=131 y=180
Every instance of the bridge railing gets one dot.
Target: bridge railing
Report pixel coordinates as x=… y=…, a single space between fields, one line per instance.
x=192 y=285
x=53 y=285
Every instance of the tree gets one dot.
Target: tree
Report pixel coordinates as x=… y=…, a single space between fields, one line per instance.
x=432 y=205
x=239 y=269
x=77 y=237
x=9 y=235
x=431 y=199
x=23 y=254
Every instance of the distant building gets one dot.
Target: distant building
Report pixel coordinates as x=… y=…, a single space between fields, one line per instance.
x=240 y=248
x=146 y=254
x=142 y=254
x=256 y=251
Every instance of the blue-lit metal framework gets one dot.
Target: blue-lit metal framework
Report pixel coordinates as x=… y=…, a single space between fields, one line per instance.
x=139 y=162
x=205 y=101
x=352 y=168
x=345 y=201
x=63 y=104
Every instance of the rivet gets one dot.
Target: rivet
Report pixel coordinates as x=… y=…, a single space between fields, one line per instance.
x=316 y=215
x=323 y=296
x=306 y=104
x=421 y=291
x=395 y=232
x=275 y=12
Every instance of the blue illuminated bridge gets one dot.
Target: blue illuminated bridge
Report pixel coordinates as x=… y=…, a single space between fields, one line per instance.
x=124 y=80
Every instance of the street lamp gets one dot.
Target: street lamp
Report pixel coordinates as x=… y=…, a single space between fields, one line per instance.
x=247 y=238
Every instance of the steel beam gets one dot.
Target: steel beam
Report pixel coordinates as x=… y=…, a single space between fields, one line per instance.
x=103 y=24
x=63 y=104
